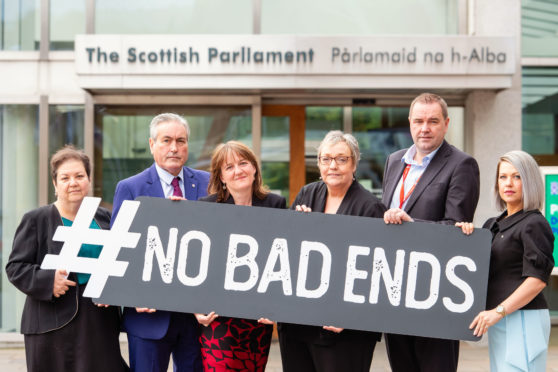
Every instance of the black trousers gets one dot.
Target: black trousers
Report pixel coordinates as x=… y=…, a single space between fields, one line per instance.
x=346 y=354
x=421 y=354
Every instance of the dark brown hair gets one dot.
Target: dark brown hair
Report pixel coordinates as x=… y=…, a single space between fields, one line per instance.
x=66 y=153
x=219 y=158
x=428 y=98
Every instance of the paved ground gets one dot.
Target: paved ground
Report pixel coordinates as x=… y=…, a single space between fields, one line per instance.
x=473 y=356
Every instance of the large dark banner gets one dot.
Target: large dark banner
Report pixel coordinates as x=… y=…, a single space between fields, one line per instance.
x=308 y=268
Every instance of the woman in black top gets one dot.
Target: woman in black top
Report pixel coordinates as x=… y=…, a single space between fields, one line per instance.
x=517 y=317
x=63 y=331
x=328 y=348
x=232 y=343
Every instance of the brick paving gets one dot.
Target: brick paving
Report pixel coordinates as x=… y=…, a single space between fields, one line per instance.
x=473 y=356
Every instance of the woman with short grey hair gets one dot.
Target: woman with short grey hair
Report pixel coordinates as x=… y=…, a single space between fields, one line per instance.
x=520 y=266
x=329 y=348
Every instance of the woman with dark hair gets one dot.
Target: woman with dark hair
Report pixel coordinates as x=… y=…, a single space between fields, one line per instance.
x=234 y=343
x=517 y=318
x=63 y=331
x=329 y=348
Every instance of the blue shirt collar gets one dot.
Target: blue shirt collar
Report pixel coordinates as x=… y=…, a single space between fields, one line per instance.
x=411 y=152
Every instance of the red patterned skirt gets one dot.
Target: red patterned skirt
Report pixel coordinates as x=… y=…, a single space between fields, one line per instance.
x=234 y=344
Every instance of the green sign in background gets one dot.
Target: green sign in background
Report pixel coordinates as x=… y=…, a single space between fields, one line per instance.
x=551 y=208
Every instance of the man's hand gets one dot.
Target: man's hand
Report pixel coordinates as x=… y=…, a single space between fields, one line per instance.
x=396 y=216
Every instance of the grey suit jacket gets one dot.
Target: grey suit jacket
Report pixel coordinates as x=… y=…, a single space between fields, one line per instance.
x=448 y=190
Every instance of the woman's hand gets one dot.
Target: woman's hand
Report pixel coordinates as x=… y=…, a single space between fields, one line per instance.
x=466 y=227
x=396 y=216
x=265 y=321
x=61 y=283
x=333 y=329
x=484 y=320
x=303 y=208
x=206 y=320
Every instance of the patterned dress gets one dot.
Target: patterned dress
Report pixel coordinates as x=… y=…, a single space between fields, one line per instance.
x=234 y=344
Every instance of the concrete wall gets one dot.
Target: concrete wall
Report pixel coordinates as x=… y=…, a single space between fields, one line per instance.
x=493 y=118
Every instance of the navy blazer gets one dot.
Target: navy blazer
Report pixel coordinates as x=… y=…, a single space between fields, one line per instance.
x=155 y=325
x=448 y=190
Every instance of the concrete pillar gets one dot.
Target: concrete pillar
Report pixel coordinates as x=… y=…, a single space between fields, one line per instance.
x=493 y=118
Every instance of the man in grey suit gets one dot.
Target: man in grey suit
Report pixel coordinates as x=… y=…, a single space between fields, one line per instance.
x=430 y=181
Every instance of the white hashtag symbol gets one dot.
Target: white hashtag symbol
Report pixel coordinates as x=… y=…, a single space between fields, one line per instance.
x=111 y=240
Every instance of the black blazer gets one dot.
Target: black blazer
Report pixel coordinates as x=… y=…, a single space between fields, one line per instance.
x=33 y=240
x=270 y=201
x=448 y=190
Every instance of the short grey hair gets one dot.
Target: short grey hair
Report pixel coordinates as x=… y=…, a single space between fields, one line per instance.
x=334 y=137
x=165 y=118
x=531 y=180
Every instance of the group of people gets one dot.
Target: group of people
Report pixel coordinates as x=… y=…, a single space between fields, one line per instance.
x=432 y=181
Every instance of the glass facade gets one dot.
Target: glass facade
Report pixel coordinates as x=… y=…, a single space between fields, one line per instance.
x=122 y=135
x=65 y=127
x=173 y=17
x=19 y=126
x=539 y=28
x=359 y=17
x=67 y=19
x=19 y=24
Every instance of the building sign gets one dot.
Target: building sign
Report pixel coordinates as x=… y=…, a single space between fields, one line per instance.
x=125 y=59
x=307 y=268
x=550 y=177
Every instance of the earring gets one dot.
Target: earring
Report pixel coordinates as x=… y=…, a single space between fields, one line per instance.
x=224 y=186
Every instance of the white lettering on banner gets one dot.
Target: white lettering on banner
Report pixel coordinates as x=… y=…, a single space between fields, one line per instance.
x=279 y=253
x=459 y=283
x=183 y=258
x=305 y=249
x=155 y=247
x=414 y=259
x=248 y=260
x=278 y=257
x=380 y=269
x=353 y=273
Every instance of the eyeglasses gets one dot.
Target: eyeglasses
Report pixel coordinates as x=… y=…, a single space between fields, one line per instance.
x=339 y=160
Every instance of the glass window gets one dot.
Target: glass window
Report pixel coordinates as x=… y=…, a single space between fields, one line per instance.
x=20 y=24
x=359 y=17
x=173 y=17
x=67 y=19
x=19 y=133
x=122 y=147
x=379 y=131
x=539 y=28
x=275 y=157
x=540 y=113
x=65 y=126
x=319 y=121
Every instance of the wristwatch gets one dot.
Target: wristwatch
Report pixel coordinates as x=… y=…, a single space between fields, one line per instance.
x=500 y=309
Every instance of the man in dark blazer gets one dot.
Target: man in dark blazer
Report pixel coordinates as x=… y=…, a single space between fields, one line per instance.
x=431 y=181
x=153 y=335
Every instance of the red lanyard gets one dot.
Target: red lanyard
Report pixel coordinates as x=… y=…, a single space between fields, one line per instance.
x=402 y=197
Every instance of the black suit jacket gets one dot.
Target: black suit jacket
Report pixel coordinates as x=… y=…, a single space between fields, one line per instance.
x=448 y=190
x=42 y=311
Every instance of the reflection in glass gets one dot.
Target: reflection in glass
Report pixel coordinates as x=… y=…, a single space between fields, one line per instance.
x=276 y=154
x=173 y=17
x=65 y=126
x=319 y=121
x=379 y=131
x=122 y=139
x=540 y=110
x=539 y=28
x=67 y=19
x=19 y=133
x=19 y=24
x=359 y=17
